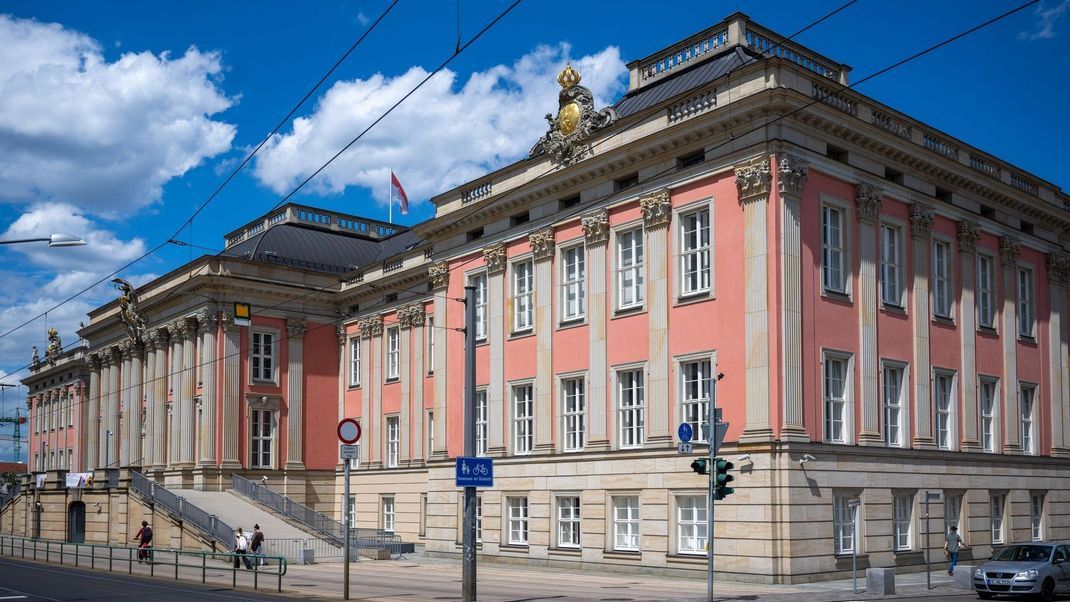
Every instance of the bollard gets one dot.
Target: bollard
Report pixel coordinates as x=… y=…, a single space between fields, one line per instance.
x=111 y=556
x=129 y=561
x=204 y=566
x=75 y=554
x=880 y=581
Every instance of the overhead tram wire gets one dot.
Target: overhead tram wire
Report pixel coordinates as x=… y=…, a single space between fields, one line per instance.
x=188 y=222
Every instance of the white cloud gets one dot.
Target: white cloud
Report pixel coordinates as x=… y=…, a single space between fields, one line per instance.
x=1046 y=18
x=104 y=135
x=102 y=253
x=441 y=136
x=363 y=19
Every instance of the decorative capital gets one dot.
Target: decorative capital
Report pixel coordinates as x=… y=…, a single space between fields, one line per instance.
x=753 y=180
x=126 y=349
x=94 y=361
x=295 y=329
x=340 y=332
x=542 y=243
x=921 y=221
x=657 y=209
x=494 y=256
x=791 y=173
x=439 y=274
x=868 y=201
x=596 y=228
x=1009 y=250
x=371 y=326
x=413 y=315
x=206 y=320
x=968 y=234
x=1058 y=265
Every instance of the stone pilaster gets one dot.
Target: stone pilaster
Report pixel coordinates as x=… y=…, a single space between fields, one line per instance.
x=542 y=248
x=231 y=389
x=1009 y=250
x=151 y=344
x=405 y=419
x=158 y=448
x=135 y=404
x=439 y=275
x=92 y=419
x=921 y=223
x=657 y=213
x=417 y=317
x=968 y=235
x=1058 y=268
x=366 y=327
x=112 y=415
x=295 y=394
x=791 y=174
x=752 y=182
x=596 y=234
x=186 y=408
x=125 y=403
x=372 y=422
x=494 y=256
x=867 y=208
x=207 y=322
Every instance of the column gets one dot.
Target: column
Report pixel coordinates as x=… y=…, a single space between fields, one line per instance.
x=151 y=342
x=126 y=349
x=295 y=391
x=134 y=404
x=791 y=173
x=376 y=420
x=494 y=256
x=867 y=207
x=231 y=389
x=343 y=375
x=1058 y=268
x=921 y=224
x=207 y=322
x=596 y=235
x=752 y=182
x=418 y=316
x=657 y=213
x=968 y=235
x=186 y=408
x=112 y=418
x=102 y=418
x=177 y=376
x=366 y=420
x=404 y=315
x=439 y=275
x=92 y=416
x=542 y=248
x=158 y=449
x=1009 y=249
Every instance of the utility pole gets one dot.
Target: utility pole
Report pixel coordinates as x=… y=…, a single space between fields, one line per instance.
x=17 y=421
x=468 y=571
x=711 y=418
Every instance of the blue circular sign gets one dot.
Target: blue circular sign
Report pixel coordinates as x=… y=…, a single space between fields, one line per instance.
x=686 y=432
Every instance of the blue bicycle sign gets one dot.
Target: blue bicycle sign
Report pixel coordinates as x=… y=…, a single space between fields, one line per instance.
x=475 y=472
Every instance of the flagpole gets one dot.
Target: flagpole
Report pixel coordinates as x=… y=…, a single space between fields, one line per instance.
x=390 y=187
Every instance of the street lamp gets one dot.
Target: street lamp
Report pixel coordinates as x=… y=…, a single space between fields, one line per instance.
x=53 y=240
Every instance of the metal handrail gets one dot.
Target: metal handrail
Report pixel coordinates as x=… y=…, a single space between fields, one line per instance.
x=209 y=524
x=11 y=494
x=63 y=553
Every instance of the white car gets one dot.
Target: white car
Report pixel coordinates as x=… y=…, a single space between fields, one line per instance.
x=1039 y=569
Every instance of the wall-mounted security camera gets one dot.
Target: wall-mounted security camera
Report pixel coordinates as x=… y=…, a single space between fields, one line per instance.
x=806 y=458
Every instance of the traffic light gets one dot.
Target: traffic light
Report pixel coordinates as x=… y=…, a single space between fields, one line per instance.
x=701 y=466
x=721 y=490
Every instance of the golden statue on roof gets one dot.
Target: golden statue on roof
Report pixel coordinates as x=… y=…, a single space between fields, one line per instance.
x=576 y=120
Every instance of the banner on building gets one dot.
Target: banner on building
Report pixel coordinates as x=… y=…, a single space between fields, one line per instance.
x=40 y=481
x=79 y=480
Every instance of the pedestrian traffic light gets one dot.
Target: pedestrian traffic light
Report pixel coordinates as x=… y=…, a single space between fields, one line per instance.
x=701 y=466
x=721 y=490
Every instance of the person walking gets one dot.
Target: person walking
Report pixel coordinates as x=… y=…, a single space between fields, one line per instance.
x=952 y=544
x=241 y=550
x=144 y=542
x=258 y=547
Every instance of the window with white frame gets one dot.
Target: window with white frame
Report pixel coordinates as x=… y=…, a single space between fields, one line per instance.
x=891 y=262
x=430 y=432
x=941 y=279
x=70 y=411
x=388 y=513
x=352 y=510
x=262 y=356
x=430 y=334
x=695 y=250
x=626 y=523
x=630 y=408
x=518 y=520
x=892 y=377
x=836 y=392
x=393 y=353
x=944 y=408
x=691 y=524
x=630 y=288
x=1026 y=314
x=523 y=419
x=393 y=440
x=696 y=383
x=1036 y=516
x=574 y=412
x=902 y=520
x=833 y=249
x=568 y=522
x=354 y=362
x=986 y=314
x=1027 y=395
x=479 y=281
x=986 y=393
x=523 y=296
x=481 y=422
x=952 y=511
x=261 y=435
x=573 y=272
x=995 y=515
x=479 y=519
x=844 y=523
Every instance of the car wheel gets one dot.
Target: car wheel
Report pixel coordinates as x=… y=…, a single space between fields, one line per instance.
x=984 y=595
x=1047 y=590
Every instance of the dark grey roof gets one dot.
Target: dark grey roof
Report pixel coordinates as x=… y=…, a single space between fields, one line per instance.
x=688 y=78
x=320 y=250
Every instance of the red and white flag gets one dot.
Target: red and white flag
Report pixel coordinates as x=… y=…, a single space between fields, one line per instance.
x=399 y=192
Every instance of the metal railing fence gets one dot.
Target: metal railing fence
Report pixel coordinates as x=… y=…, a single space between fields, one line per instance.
x=10 y=494
x=209 y=524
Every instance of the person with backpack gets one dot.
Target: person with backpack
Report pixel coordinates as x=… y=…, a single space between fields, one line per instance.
x=258 y=547
x=144 y=539
x=241 y=550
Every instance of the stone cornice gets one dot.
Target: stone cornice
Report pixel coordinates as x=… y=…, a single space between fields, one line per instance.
x=656 y=209
x=752 y=181
x=596 y=227
x=868 y=201
x=968 y=234
x=542 y=243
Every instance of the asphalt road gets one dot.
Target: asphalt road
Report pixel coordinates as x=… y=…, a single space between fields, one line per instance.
x=33 y=581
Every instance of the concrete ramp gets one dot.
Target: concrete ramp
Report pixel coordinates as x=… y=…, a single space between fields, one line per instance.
x=236 y=511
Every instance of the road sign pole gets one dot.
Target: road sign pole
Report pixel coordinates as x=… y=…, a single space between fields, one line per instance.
x=468 y=571
x=712 y=439
x=345 y=553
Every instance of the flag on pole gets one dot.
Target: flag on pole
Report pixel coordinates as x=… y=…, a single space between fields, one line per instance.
x=399 y=192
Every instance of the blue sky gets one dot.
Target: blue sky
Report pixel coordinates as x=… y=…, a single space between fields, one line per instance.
x=118 y=118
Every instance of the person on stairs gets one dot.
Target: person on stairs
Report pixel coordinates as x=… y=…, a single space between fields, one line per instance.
x=258 y=547
x=241 y=549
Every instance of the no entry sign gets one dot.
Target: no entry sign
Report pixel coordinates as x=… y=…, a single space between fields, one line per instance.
x=348 y=431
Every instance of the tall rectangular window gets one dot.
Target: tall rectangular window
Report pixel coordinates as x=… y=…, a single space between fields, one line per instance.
x=354 y=362
x=691 y=524
x=518 y=520
x=891 y=259
x=630 y=287
x=835 y=399
x=1025 y=302
x=262 y=356
x=261 y=432
x=952 y=511
x=430 y=433
x=631 y=406
x=995 y=516
x=573 y=272
x=985 y=292
x=523 y=419
x=352 y=510
x=574 y=411
x=987 y=397
x=479 y=519
x=944 y=409
x=430 y=330
x=832 y=250
x=695 y=253
x=568 y=522
x=70 y=411
x=893 y=404
x=393 y=353
x=388 y=513
x=903 y=518
x=844 y=524
x=626 y=523
x=942 y=286
x=523 y=296
x=479 y=281
x=1026 y=395
x=393 y=440
x=481 y=422
x=696 y=384
x=1036 y=516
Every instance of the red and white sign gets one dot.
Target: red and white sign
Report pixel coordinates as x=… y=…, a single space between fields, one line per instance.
x=349 y=431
